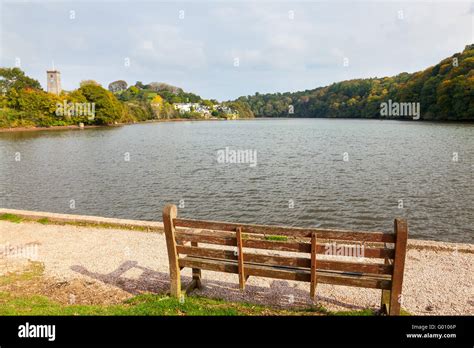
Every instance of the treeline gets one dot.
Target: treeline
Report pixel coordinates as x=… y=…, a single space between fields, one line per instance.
x=155 y=100
x=23 y=103
x=444 y=91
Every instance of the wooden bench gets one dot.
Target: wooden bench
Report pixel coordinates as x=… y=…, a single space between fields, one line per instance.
x=238 y=248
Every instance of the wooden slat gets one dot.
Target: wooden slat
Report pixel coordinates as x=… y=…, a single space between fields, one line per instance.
x=355 y=267
x=349 y=280
x=380 y=253
x=344 y=266
x=401 y=232
x=274 y=260
x=217 y=239
x=210 y=264
x=277 y=245
x=240 y=257
x=207 y=252
x=205 y=238
x=263 y=237
x=312 y=291
x=367 y=281
x=289 y=231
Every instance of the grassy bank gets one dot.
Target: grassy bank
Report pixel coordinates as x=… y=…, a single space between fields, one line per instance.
x=15 y=301
x=45 y=221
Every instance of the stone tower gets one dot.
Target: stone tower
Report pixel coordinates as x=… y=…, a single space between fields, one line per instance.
x=54 y=81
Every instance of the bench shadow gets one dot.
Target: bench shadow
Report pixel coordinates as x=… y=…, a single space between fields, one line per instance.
x=280 y=294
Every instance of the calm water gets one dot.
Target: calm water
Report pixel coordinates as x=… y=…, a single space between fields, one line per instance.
x=301 y=177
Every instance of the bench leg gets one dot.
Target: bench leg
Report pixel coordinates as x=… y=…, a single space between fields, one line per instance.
x=197 y=277
x=401 y=235
x=169 y=213
x=385 y=302
x=195 y=282
x=175 y=280
x=314 y=281
x=196 y=272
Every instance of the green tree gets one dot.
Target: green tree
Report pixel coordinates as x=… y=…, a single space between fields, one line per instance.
x=15 y=78
x=107 y=108
x=445 y=92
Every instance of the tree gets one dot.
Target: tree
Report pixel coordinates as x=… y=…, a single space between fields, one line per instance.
x=107 y=108
x=207 y=103
x=161 y=86
x=157 y=104
x=15 y=78
x=444 y=91
x=139 y=85
x=89 y=82
x=117 y=86
x=242 y=109
x=134 y=90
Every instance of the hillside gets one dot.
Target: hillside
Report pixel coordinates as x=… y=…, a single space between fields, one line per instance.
x=445 y=92
x=24 y=104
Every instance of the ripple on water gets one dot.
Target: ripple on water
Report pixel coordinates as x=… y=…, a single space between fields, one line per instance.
x=301 y=177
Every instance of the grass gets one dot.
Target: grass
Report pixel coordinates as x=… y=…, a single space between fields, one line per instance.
x=34 y=270
x=361 y=313
x=152 y=304
x=13 y=303
x=146 y=304
x=277 y=238
x=11 y=217
x=45 y=221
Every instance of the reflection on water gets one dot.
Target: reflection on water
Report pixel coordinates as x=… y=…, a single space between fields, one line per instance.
x=355 y=174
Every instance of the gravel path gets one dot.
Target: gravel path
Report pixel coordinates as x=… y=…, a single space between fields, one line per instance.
x=438 y=276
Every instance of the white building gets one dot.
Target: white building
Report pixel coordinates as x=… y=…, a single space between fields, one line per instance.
x=186 y=107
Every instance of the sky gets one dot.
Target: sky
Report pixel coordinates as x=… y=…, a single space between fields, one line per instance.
x=226 y=49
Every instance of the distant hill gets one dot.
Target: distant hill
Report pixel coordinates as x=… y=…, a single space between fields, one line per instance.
x=444 y=92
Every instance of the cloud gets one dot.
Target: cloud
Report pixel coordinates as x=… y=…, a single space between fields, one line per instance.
x=165 y=47
x=281 y=46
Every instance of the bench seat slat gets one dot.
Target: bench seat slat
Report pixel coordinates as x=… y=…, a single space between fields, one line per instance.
x=301 y=247
x=323 y=276
x=365 y=236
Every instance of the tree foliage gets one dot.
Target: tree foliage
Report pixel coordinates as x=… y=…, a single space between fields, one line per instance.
x=15 y=78
x=117 y=86
x=89 y=82
x=107 y=108
x=445 y=92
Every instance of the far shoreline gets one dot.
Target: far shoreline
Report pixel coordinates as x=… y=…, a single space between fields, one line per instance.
x=77 y=127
